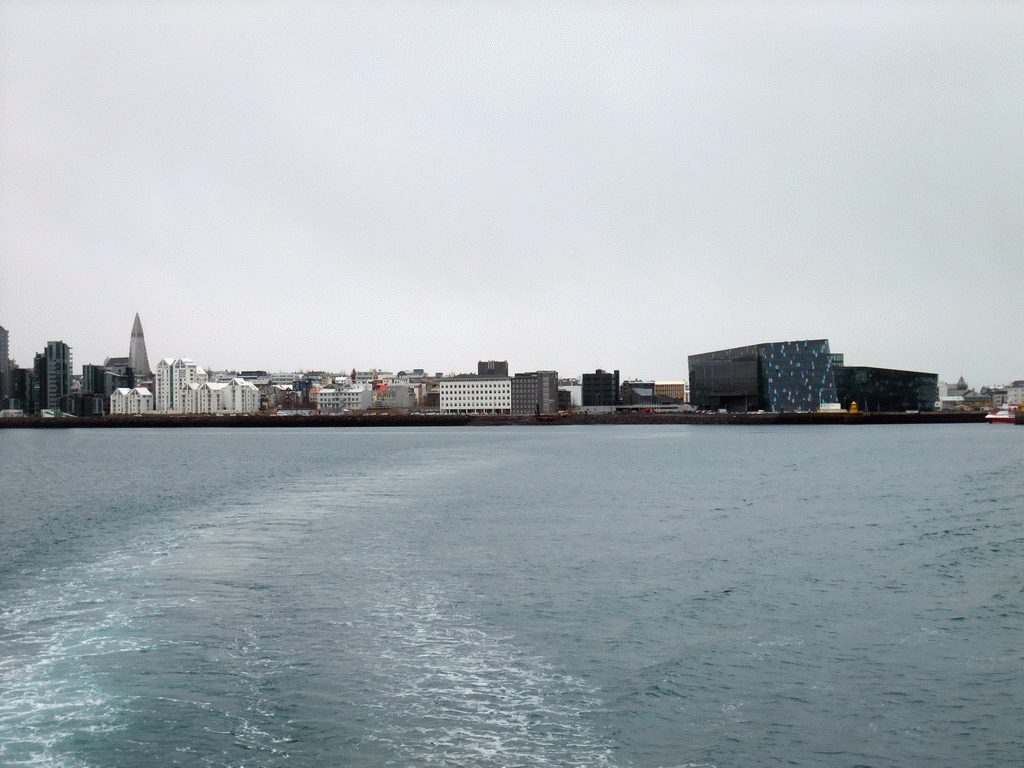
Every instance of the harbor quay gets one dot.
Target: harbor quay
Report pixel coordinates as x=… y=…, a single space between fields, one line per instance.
x=165 y=421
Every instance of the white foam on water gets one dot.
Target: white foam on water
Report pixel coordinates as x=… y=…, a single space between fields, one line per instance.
x=51 y=691
x=459 y=696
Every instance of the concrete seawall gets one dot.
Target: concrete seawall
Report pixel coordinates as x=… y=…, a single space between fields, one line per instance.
x=162 y=421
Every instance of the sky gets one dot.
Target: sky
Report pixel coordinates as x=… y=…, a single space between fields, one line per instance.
x=562 y=185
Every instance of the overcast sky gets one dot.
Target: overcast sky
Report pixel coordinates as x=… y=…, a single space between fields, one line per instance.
x=569 y=186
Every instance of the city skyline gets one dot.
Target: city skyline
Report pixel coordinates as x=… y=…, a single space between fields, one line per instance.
x=137 y=340
x=571 y=186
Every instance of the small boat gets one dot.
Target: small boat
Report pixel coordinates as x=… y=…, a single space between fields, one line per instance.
x=1005 y=415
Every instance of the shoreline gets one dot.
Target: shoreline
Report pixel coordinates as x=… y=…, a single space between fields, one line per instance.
x=169 y=421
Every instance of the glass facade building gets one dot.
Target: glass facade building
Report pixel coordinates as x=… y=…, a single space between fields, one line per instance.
x=779 y=376
x=885 y=389
x=801 y=376
x=796 y=375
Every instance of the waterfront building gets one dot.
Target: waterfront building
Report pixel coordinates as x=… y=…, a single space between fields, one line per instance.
x=340 y=399
x=5 y=369
x=52 y=377
x=637 y=393
x=1015 y=393
x=886 y=389
x=233 y=396
x=775 y=377
x=802 y=376
x=600 y=388
x=996 y=396
x=173 y=377
x=534 y=392
x=128 y=400
x=398 y=396
x=475 y=394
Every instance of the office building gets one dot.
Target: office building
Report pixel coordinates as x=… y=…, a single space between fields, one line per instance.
x=600 y=388
x=535 y=392
x=674 y=390
x=475 y=394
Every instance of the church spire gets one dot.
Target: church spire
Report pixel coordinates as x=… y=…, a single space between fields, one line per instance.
x=137 y=357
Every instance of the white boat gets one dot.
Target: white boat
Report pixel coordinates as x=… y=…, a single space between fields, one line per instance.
x=1005 y=415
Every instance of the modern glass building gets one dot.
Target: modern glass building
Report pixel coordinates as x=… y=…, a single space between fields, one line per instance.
x=52 y=377
x=801 y=376
x=885 y=389
x=778 y=376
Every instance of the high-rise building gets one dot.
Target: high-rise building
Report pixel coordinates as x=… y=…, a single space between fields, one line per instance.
x=172 y=377
x=21 y=390
x=137 y=357
x=5 y=369
x=52 y=382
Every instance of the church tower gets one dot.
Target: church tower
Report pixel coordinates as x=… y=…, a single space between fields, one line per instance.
x=137 y=357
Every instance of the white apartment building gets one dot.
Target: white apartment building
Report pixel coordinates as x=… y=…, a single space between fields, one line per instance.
x=1015 y=393
x=399 y=396
x=475 y=394
x=234 y=396
x=173 y=377
x=331 y=400
x=137 y=400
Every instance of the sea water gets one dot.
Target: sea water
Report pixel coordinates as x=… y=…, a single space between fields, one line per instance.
x=635 y=596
